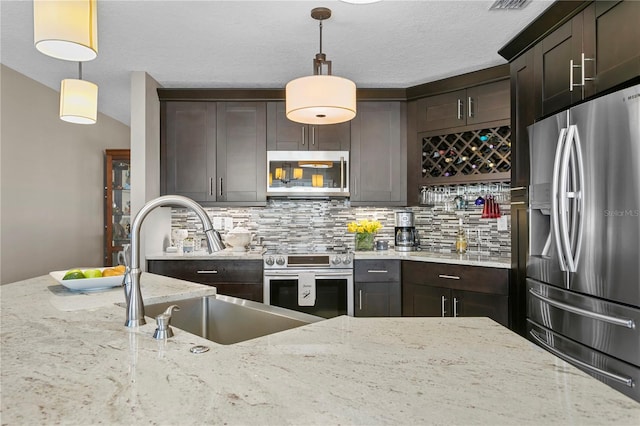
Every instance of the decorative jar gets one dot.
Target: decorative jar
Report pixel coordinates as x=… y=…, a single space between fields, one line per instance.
x=364 y=241
x=365 y=231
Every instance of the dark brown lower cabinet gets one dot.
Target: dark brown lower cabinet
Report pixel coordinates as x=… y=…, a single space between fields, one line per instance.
x=236 y=278
x=434 y=289
x=377 y=288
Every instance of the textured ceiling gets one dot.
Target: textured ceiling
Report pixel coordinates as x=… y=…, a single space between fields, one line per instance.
x=264 y=44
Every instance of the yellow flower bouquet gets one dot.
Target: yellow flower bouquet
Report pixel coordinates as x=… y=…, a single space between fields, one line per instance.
x=365 y=231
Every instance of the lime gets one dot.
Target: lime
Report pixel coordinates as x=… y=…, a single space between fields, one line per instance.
x=92 y=273
x=74 y=274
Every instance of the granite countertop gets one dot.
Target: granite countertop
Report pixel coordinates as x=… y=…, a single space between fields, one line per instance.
x=418 y=256
x=67 y=358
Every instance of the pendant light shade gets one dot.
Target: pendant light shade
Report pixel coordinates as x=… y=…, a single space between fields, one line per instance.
x=66 y=29
x=78 y=101
x=320 y=99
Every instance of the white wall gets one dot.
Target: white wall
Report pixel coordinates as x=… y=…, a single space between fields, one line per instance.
x=52 y=192
x=145 y=163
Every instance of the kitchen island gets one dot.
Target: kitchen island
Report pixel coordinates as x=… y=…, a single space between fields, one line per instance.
x=67 y=358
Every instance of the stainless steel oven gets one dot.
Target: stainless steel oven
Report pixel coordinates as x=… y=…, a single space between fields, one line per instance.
x=318 y=284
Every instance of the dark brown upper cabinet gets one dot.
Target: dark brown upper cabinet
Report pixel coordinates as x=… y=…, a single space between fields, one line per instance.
x=214 y=152
x=594 y=51
x=241 y=155
x=466 y=107
x=286 y=135
x=378 y=173
x=188 y=150
x=613 y=29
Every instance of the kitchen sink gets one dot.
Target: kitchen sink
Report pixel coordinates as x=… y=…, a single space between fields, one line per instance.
x=228 y=320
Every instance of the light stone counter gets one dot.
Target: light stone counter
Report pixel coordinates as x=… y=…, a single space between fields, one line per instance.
x=450 y=258
x=80 y=365
x=418 y=256
x=226 y=254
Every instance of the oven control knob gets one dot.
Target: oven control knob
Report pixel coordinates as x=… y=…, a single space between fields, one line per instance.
x=269 y=260
x=346 y=260
x=335 y=260
x=280 y=260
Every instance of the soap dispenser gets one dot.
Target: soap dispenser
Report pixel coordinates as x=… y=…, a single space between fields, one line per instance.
x=461 y=239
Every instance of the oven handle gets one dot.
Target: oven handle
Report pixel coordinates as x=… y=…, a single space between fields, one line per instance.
x=280 y=274
x=333 y=275
x=273 y=274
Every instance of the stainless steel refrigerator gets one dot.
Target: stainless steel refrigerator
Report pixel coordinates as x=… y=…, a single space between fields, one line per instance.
x=583 y=268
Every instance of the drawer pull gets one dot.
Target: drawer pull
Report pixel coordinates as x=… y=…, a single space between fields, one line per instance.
x=377 y=271
x=207 y=272
x=449 y=277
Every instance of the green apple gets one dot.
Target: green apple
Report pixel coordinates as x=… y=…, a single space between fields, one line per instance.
x=73 y=274
x=93 y=273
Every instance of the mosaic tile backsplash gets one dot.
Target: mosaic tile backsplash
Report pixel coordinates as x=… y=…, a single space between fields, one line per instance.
x=322 y=224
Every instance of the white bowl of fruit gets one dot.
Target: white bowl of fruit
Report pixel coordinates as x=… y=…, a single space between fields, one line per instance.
x=90 y=279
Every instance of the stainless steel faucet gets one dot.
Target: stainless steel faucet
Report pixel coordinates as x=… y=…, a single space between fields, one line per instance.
x=133 y=295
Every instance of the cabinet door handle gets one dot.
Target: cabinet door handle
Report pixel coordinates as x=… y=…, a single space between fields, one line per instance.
x=443 y=300
x=342 y=185
x=449 y=277
x=313 y=135
x=517 y=203
x=470 y=106
x=517 y=188
x=583 y=79
x=205 y=271
x=455 y=306
x=211 y=186
x=302 y=135
x=221 y=187
x=460 y=117
x=360 y=298
x=571 y=67
x=377 y=271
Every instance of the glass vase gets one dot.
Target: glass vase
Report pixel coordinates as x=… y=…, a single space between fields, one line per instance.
x=364 y=241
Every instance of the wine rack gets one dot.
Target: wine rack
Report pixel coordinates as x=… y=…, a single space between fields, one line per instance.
x=482 y=155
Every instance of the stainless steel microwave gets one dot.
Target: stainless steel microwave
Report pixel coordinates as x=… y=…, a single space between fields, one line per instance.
x=308 y=174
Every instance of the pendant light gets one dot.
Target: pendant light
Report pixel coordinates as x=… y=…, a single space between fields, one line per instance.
x=66 y=29
x=320 y=99
x=78 y=100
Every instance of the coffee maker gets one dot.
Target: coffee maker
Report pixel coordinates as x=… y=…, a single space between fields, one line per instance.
x=405 y=232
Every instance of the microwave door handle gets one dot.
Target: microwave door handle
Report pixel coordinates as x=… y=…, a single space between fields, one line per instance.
x=555 y=222
x=627 y=381
x=342 y=174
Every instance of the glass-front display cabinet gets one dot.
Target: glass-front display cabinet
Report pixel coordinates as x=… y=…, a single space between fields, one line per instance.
x=117 y=208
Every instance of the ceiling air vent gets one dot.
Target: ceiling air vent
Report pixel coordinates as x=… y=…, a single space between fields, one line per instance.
x=509 y=4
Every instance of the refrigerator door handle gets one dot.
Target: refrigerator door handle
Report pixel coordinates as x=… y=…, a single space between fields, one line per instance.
x=571 y=156
x=555 y=221
x=578 y=197
x=623 y=322
x=627 y=381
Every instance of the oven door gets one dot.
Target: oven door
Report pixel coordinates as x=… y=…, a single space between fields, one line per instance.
x=334 y=292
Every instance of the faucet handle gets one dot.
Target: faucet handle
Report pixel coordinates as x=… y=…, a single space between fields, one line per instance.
x=162 y=321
